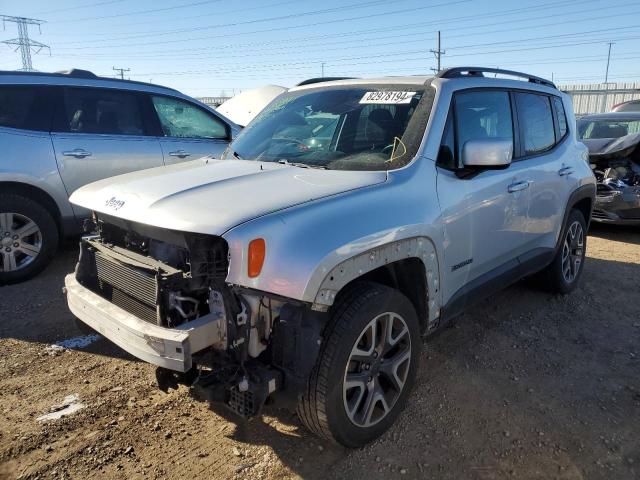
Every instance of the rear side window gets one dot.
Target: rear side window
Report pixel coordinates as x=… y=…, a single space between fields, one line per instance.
x=102 y=111
x=184 y=120
x=20 y=108
x=535 y=119
x=561 y=118
x=482 y=114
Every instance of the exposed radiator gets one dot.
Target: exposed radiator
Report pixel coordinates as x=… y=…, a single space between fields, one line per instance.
x=132 y=290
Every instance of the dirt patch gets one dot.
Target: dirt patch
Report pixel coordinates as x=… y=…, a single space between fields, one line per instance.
x=526 y=385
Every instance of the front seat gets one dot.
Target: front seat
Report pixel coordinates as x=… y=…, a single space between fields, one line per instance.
x=380 y=128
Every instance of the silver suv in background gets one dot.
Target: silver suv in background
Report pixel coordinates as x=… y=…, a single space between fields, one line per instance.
x=60 y=131
x=345 y=221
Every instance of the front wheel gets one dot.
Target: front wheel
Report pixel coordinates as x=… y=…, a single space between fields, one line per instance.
x=366 y=367
x=28 y=238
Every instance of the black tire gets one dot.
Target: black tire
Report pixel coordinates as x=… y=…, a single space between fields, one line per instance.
x=48 y=231
x=555 y=277
x=323 y=405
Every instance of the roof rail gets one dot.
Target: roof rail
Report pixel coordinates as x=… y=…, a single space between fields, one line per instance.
x=457 y=72
x=310 y=81
x=81 y=74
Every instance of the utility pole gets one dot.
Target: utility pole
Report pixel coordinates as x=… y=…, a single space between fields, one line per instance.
x=606 y=73
x=438 y=53
x=121 y=70
x=322 y=67
x=23 y=42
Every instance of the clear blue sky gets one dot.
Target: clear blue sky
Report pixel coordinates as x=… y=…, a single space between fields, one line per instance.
x=209 y=47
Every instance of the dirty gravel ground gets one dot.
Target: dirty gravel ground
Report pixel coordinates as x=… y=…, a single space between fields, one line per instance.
x=526 y=385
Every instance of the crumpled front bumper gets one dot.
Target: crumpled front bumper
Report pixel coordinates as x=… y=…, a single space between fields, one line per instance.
x=618 y=206
x=170 y=348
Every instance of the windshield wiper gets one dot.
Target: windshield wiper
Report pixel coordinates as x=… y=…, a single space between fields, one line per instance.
x=301 y=165
x=235 y=154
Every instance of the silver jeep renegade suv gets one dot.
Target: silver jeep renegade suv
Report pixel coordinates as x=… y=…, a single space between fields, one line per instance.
x=347 y=220
x=61 y=131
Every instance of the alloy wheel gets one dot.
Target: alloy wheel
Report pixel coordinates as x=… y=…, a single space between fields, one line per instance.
x=572 y=251
x=377 y=369
x=20 y=241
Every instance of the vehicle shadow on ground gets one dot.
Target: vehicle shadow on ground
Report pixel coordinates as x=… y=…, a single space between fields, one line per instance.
x=36 y=311
x=524 y=385
x=617 y=233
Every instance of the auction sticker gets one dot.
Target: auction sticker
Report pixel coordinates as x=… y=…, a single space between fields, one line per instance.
x=392 y=98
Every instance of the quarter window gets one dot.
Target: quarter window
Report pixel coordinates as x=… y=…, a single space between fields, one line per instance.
x=101 y=111
x=536 y=122
x=184 y=120
x=19 y=109
x=561 y=117
x=482 y=114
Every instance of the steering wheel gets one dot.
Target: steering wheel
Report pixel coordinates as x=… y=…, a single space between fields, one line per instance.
x=301 y=146
x=388 y=149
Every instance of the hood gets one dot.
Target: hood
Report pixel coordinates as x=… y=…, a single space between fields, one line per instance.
x=211 y=196
x=243 y=107
x=612 y=147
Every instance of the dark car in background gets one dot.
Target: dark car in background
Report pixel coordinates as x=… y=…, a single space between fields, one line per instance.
x=613 y=140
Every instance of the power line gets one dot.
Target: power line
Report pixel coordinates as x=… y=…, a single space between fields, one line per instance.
x=325 y=22
x=278 y=50
x=23 y=42
x=97 y=4
x=545 y=6
x=139 y=12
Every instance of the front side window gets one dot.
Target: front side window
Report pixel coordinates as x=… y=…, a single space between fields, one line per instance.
x=184 y=120
x=347 y=128
x=480 y=115
x=536 y=122
x=17 y=105
x=101 y=111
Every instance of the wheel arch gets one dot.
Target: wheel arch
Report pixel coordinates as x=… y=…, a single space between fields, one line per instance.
x=582 y=199
x=409 y=265
x=37 y=194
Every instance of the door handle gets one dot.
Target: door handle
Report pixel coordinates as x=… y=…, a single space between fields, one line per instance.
x=78 y=153
x=565 y=171
x=518 y=186
x=179 y=154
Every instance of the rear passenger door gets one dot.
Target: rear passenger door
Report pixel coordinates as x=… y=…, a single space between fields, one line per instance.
x=99 y=133
x=546 y=155
x=188 y=130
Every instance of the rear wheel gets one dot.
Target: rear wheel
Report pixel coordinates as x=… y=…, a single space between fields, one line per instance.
x=366 y=367
x=564 y=272
x=28 y=238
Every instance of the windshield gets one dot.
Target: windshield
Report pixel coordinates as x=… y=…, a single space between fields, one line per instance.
x=339 y=128
x=591 y=129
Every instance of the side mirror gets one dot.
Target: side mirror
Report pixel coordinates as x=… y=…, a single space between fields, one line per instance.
x=487 y=153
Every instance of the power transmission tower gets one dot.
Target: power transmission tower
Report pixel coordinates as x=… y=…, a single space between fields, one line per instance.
x=23 y=42
x=438 y=54
x=121 y=70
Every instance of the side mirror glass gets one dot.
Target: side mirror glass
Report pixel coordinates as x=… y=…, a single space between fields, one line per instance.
x=487 y=153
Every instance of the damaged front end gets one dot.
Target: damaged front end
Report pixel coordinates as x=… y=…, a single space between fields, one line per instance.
x=616 y=166
x=161 y=295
